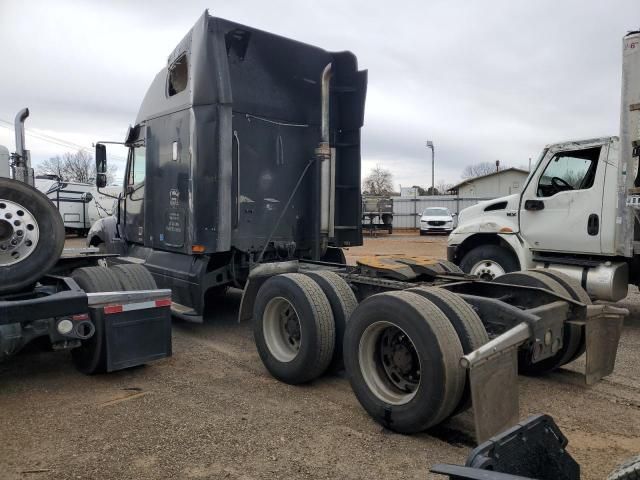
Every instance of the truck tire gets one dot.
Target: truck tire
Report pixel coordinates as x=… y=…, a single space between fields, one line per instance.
x=343 y=302
x=31 y=235
x=134 y=277
x=628 y=470
x=402 y=360
x=573 y=287
x=489 y=262
x=293 y=328
x=465 y=321
x=577 y=293
x=572 y=333
x=91 y=356
x=450 y=267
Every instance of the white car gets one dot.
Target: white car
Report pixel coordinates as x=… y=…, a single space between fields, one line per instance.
x=436 y=219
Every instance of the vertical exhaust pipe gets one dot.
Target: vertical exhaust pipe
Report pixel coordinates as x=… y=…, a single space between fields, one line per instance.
x=326 y=80
x=19 y=130
x=323 y=171
x=22 y=170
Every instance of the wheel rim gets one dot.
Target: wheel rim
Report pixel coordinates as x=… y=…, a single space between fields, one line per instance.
x=19 y=233
x=487 y=269
x=282 y=330
x=389 y=363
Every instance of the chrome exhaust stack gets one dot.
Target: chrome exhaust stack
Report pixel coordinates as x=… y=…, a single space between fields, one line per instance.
x=325 y=169
x=22 y=170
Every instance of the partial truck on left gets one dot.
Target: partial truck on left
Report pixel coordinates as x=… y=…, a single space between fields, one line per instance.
x=109 y=318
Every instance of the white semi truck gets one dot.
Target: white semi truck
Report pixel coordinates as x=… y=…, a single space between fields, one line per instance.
x=578 y=212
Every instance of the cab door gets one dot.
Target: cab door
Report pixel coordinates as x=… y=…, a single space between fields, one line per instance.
x=561 y=207
x=134 y=194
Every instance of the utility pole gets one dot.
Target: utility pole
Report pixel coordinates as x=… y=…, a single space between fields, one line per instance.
x=433 y=164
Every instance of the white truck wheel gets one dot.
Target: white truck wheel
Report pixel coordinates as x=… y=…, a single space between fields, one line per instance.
x=489 y=262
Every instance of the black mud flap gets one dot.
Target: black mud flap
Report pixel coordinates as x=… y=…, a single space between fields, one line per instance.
x=135 y=337
x=533 y=449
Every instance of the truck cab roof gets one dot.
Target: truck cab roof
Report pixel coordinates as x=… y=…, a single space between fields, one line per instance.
x=581 y=143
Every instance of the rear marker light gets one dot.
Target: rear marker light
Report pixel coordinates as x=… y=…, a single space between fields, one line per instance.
x=128 y=307
x=113 y=309
x=80 y=316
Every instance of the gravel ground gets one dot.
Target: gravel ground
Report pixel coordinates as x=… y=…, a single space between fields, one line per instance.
x=212 y=411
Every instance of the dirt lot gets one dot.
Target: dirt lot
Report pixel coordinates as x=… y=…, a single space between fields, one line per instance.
x=212 y=411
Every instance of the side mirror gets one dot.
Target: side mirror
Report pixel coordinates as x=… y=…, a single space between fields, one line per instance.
x=101 y=165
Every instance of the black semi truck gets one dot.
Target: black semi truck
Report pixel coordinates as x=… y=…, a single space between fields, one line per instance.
x=109 y=318
x=244 y=170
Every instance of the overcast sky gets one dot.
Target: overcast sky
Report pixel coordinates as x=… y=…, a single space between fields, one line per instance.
x=484 y=80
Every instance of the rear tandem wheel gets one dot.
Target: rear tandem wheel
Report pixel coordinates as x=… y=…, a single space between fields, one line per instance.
x=343 y=302
x=465 y=321
x=293 y=328
x=572 y=334
x=134 y=277
x=402 y=360
x=576 y=292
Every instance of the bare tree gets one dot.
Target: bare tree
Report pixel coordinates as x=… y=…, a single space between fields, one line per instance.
x=53 y=166
x=478 y=169
x=443 y=187
x=378 y=182
x=74 y=167
x=78 y=166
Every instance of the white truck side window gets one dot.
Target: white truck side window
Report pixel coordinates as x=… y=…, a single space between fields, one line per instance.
x=572 y=170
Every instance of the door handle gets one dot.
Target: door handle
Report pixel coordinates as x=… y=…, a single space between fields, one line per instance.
x=533 y=205
x=593 y=224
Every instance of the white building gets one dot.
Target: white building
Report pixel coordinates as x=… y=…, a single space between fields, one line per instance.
x=493 y=185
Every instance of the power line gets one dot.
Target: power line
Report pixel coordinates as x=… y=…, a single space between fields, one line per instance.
x=57 y=141
x=45 y=137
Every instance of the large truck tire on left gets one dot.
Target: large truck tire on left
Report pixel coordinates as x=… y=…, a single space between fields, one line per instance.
x=109 y=318
x=31 y=235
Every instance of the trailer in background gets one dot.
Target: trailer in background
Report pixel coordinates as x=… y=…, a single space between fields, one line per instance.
x=377 y=213
x=80 y=204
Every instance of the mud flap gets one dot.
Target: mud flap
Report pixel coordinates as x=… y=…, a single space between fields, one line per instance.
x=602 y=329
x=493 y=378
